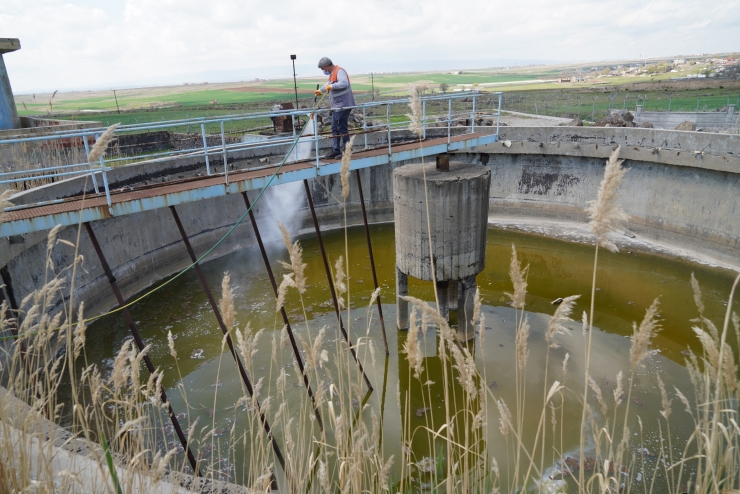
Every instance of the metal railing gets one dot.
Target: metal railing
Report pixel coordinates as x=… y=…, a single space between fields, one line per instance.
x=465 y=107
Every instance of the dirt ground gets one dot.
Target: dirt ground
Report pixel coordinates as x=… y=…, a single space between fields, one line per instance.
x=517 y=119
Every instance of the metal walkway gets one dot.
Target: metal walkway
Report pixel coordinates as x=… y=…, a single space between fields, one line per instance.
x=145 y=198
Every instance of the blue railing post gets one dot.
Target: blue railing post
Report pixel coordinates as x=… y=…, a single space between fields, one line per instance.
x=498 y=119
x=449 y=119
x=364 y=124
x=388 y=122
x=292 y=124
x=105 y=176
x=316 y=140
x=472 y=117
x=424 y=119
x=205 y=147
x=89 y=165
x=223 y=152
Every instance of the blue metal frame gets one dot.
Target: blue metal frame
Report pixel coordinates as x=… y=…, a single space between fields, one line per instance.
x=229 y=187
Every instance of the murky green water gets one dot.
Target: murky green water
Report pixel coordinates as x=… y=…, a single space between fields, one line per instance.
x=627 y=284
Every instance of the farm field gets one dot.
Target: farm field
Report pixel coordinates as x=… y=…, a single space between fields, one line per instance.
x=526 y=89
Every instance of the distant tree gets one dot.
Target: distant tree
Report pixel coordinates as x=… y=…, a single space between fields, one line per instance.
x=606 y=71
x=444 y=87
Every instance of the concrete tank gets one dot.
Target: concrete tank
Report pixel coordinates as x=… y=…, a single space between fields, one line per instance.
x=458 y=218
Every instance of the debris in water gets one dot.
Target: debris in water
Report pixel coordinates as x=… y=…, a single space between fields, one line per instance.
x=557 y=301
x=638 y=401
x=425 y=465
x=646 y=452
x=493 y=385
x=685 y=353
x=572 y=464
x=197 y=354
x=421 y=411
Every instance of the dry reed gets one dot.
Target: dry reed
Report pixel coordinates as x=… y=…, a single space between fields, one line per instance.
x=344 y=169
x=606 y=216
x=100 y=146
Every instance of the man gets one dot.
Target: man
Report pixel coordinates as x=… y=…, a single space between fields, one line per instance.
x=340 y=96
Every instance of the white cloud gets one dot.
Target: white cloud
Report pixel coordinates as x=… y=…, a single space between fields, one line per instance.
x=88 y=43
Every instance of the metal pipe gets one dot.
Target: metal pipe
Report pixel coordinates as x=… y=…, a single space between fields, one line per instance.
x=316 y=138
x=424 y=119
x=105 y=178
x=223 y=151
x=472 y=117
x=105 y=184
x=449 y=120
x=372 y=259
x=292 y=125
x=89 y=165
x=225 y=330
x=331 y=284
x=364 y=124
x=388 y=122
x=293 y=343
x=47 y=169
x=39 y=177
x=141 y=346
x=205 y=147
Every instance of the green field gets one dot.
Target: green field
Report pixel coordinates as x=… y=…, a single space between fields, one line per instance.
x=585 y=99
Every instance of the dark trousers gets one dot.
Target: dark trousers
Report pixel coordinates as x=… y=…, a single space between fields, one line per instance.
x=340 y=128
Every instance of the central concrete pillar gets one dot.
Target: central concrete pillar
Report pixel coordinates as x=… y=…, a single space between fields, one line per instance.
x=465 y=307
x=444 y=298
x=452 y=295
x=441 y=222
x=402 y=306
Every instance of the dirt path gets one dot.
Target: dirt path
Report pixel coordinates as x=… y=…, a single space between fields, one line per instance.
x=518 y=119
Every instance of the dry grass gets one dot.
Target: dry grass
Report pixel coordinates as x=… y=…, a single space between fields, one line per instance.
x=123 y=408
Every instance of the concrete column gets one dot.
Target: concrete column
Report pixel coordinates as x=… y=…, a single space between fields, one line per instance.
x=443 y=297
x=402 y=306
x=8 y=113
x=452 y=294
x=465 y=295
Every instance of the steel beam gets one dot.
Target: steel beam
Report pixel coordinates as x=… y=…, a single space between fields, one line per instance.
x=141 y=346
x=296 y=352
x=331 y=284
x=372 y=259
x=225 y=331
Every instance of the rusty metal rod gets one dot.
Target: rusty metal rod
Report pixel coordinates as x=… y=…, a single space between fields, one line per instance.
x=331 y=284
x=224 y=329
x=13 y=323
x=293 y=343
x=140 y=344
x=372 y=259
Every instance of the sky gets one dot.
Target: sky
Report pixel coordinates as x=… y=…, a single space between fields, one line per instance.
x=87 y=44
